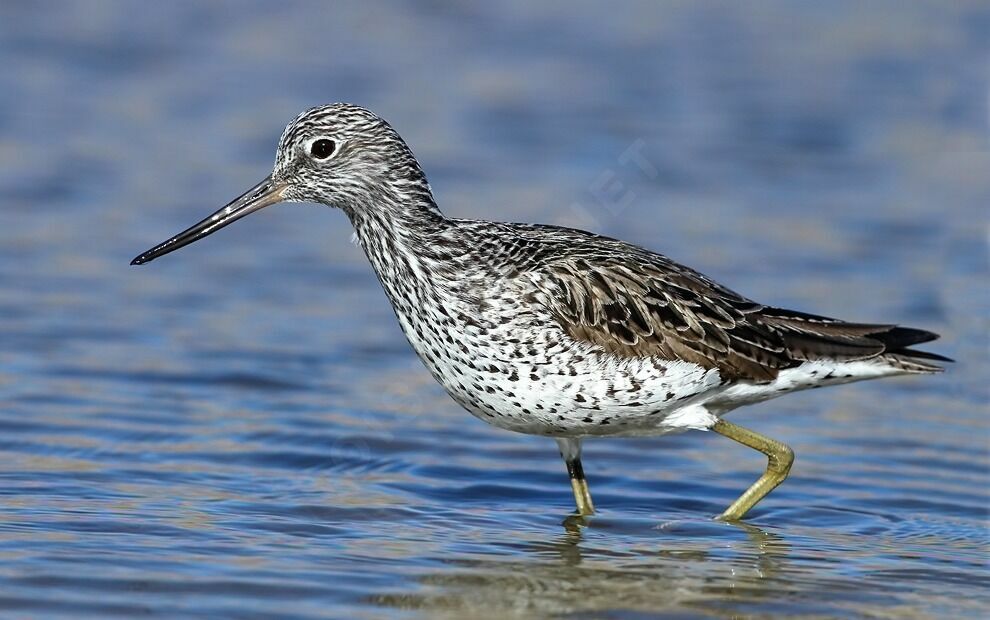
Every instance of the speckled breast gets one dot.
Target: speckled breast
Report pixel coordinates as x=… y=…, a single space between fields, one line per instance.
x=516 y=369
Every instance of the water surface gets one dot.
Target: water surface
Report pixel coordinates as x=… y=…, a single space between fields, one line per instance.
x=239 y=429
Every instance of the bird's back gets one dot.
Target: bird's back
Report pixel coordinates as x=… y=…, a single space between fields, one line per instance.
x=632 y=302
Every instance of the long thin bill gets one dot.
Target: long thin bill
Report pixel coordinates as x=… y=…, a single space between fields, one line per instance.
x=258 y=197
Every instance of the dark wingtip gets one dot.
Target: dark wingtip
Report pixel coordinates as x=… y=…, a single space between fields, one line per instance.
x=898 y=339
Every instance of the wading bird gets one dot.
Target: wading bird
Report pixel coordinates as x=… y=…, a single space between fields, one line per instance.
x=559 y=332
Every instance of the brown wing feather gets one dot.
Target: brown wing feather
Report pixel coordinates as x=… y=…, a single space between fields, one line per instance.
x=656 y=308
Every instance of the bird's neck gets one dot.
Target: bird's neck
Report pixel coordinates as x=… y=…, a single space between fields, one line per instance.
x=397 y=222
x=414 y=256
x=403 y=244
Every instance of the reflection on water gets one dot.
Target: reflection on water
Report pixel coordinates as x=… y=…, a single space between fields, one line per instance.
x=239 y=429
x=570 y=573
x=697 y=565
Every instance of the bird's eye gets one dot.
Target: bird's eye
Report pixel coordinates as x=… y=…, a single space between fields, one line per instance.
x=322 y=148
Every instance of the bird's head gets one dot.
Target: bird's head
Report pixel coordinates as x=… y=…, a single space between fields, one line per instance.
x=340 y=155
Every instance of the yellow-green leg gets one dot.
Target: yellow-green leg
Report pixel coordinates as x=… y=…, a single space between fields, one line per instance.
x=570 y=451
x=579 y=484
x=779 y=460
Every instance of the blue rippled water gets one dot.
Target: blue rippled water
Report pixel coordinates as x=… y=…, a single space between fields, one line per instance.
x=240 y=430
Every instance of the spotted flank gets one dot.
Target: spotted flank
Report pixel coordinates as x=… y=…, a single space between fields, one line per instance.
x=559 y=332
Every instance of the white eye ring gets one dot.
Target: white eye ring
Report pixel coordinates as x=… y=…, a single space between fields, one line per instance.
x=321 y=148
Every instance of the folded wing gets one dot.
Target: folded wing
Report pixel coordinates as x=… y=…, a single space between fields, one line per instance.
x=655 y=307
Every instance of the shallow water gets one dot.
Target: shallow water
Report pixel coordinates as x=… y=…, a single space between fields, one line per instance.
x=239 y=429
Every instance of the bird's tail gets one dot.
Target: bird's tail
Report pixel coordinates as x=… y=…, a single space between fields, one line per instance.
x=817 y=337
x=898 y=342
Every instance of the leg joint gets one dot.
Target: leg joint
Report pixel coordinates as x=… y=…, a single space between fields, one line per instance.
x=780 y=459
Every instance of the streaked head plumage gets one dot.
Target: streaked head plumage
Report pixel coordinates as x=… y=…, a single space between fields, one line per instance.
x=345 y=156
x=340 y=155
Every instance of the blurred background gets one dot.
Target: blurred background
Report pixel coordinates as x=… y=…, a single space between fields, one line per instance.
x=240 y=429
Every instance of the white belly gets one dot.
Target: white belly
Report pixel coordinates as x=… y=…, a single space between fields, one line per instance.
x=526 y=376
x=547 y=384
